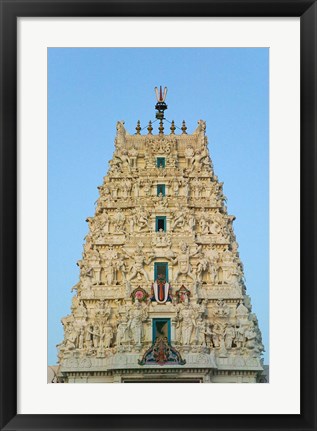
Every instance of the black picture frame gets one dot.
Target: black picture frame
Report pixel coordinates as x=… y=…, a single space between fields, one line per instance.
x=10 y=11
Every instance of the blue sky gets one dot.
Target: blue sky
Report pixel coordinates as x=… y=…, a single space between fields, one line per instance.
x=89 y=90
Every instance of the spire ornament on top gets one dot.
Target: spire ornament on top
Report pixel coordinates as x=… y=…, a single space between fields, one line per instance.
x=160 y=106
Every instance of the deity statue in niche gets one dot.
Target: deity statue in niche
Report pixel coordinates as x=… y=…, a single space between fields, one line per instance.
x=140 y=259
x=186 y=319
x=183 y=264
x=137 y=315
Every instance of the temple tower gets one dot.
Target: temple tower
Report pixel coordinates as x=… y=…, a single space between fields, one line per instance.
x=161 y=294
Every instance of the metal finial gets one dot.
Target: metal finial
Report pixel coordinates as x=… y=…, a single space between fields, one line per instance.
x=161 y=105
x=173 y=128
x=150 y=128
x=138 y=128
x=161 y=127
x=184 y=128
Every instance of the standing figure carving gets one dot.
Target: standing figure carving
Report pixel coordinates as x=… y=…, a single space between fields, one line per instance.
x=137 y=315
x=191 y=221
x=217 y=335
x=178 y=219
x=142 y=218
x=124 y=160
x=186 y=188
x=212 y=256
x=186 y=318
x=229 y=336
x=122 y=330
x=140 y=260
x=147 y=186
x=200 y=332
x=118 y=220
x=201 y=267
x=105 y=222
x=175 y=186
x=182 y=259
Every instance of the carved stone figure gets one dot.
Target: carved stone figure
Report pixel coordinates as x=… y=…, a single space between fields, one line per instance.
x=70 y=336
x=102 y=337
x=196 y=160
x=161 y=239
x=217 y=334
x=187 y=321
x=81 y=338
x=120 y=267
x=108 y=269
x=137 y=315
x=95 y=265
x=200 y=332
x=95 y=332
x=250 y=336
x=186 y=188
x=106 y=222
x=191 y=222
x=132 y=223
x=108 y=335
x=119 y=221
x=80 y=311
x=212 y=256
x=175 y=185
x=178 y=219
x=147 y=186
x=102 y=311
x=160 y=201
x=197 y=187
x=201 y=267
x=182 y=260
x=142 y=218
x=88 y=339
x=229 y=336
x=122 y=330
x=221 y=309
x=240 y=337
x=204 y=227
x=114 y=190
x=126 y=188
x=140 y=260
x=201 y=128
x=136 y=188
x=124 y=160
x=120 y=128
x=233 y=278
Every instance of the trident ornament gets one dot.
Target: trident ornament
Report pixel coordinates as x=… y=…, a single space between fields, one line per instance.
x=161 y=105
x=160 y=96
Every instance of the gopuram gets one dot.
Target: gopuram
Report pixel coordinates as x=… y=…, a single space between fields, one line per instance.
x=161 y=294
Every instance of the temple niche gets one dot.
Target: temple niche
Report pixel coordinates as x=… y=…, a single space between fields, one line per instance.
x=161 y=295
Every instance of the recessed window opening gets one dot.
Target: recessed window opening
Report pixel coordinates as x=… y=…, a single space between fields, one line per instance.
x=160 y=188
x=160 y=224
x=160 y=162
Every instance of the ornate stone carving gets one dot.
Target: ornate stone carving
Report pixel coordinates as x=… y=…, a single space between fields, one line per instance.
x=186 y=319
x=142 y=218
x=137 y=315
x=178 y=219
x=126 y=314
x=229 y=336
x=119 y=221
x=137 y=268
x=183 y=264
